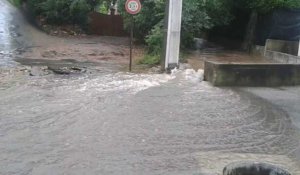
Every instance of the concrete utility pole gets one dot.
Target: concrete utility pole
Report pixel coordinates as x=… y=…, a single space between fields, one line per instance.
x=172 y=28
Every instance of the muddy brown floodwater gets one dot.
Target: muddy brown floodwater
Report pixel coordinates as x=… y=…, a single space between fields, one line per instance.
x=121 y=123
x=105 y=121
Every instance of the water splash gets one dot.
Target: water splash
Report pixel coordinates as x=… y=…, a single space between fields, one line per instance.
x=132 y=83
x=194 y=76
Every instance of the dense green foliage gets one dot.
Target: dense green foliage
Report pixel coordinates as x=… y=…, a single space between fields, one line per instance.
x=65 y=11
x=268 y=5
x=152 y=13
x=61 y=11
x=150 y=60
x=198 y=17
x=201 y=15
x=16 y=3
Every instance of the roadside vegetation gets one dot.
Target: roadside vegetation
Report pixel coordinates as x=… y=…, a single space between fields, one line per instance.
x=16 y=3
x=67 y=11
x=200 y=18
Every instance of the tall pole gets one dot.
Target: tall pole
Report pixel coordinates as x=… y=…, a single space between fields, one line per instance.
x=131 y=43
x=172 y=29
x=132 y=7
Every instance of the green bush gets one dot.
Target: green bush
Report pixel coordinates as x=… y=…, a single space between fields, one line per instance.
x=198 y=17
x=35 y=6
x=79 y=10
x=154 y=40
x=150 y=60
x=16 y=3
x=103 y=8
x=62 y=11
x=151 y=14
x=56 y=11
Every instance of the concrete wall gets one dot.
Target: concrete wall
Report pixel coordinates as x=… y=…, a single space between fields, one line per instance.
x=279 y=51
x=288 y=47
x=282 y=57
x=258 y=50
x=252 y=74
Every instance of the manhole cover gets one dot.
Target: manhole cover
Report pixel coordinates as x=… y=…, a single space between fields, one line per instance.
x=253 y=168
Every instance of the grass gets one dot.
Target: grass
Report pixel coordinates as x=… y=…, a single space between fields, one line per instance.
x=16 y=3
x=153 y=60
x=150 y=60
x=183 y=57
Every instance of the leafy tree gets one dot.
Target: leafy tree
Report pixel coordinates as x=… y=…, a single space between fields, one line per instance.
x=79 y=10
x=151 y=14
x=201 y=15
x=55 y=11
x=63 y=11
x=102 y=6
x=263 y=6
x=198 y=17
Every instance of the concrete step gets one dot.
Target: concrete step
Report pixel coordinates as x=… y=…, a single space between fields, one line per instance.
x=222 y=74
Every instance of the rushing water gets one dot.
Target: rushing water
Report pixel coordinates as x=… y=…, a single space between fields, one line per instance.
x=8 y=34
x=111 y=122
x=120 y=123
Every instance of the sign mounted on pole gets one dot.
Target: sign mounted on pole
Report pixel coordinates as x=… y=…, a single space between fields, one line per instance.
x=133 y=7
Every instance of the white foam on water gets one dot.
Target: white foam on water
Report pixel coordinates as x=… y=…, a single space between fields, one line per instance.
x=194 y=76
x=174 y=71
x=132 y=83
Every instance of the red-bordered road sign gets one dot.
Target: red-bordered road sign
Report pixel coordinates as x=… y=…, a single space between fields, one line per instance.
x=133 y=7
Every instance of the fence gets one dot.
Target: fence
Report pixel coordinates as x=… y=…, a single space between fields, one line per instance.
x=106 y=25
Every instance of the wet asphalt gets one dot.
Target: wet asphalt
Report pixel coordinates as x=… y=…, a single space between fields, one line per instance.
x=113 y=122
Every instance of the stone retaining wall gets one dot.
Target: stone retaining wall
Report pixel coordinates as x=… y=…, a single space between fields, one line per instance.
x=282 y=57
x=252 y=74
x=288 y=47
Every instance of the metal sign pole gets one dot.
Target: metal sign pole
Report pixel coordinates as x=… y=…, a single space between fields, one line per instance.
x=131 y=43
x=133 y=7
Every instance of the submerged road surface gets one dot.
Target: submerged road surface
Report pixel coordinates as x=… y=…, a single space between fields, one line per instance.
x=116 y=123
x=8 y=43
x=136 y=124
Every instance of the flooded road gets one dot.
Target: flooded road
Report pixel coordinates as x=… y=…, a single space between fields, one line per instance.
x=7 y=37
x=121 y=123
x=112 y=122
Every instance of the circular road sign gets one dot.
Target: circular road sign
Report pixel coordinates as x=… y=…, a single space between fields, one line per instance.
x=133 y=7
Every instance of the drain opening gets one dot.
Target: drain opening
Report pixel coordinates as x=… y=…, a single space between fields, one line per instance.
x=251 y=168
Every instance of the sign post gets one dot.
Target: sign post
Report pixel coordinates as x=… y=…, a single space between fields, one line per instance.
x=132 y=7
